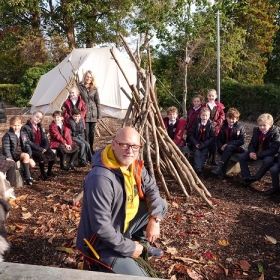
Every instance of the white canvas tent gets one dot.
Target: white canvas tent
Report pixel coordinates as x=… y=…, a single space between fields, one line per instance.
x=51 y=91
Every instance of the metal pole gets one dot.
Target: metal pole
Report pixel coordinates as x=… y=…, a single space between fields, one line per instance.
x=218 y=57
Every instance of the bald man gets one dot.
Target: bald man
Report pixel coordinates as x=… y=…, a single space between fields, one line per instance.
x=121 y=207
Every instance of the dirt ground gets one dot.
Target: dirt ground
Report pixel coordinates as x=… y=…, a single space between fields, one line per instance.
x=226 y=242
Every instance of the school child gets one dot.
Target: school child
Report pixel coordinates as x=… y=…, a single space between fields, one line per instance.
x=78 y=136
x=274 y=172
x=201 y=137
x=15 y=147
x=264 y=145
x=39 y=143
x=231 y=139
x=175 y=127
x=193 y=112
x=74 y=100
x=60 y=139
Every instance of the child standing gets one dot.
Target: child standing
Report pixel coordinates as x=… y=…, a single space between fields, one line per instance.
x=264 y=145
x=39 y=143
x=16 y=147
x=74 y=100
x=217 y=115
x=201 y=136
x=175 y=127
x=231 y=139
x=193 y=112
x=60 y=139
x=77 y=133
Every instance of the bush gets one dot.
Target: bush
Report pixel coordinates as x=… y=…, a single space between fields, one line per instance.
x=251 y=100
x=9 y=93
x=29 y=82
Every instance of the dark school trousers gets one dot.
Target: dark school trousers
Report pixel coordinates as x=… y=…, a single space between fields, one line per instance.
x=245 y=171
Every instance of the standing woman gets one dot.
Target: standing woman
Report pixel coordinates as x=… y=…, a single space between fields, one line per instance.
x=89 y=94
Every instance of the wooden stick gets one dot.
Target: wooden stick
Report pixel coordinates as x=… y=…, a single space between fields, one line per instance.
x=101 y=122
x=148 y=153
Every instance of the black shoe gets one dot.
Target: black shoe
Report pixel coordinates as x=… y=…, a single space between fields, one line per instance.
x=29 y=181
x=250 y=179
x=83 y=163
x=64 y=167
x=246 y=184
x=216 y=170
x=220 y=175
x=44 y=176
x=198 y=171
x=71 y=166
x=272 y=191
x=214 y=162
x=51 y=173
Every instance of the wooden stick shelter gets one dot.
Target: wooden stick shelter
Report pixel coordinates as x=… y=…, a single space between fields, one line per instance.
x=161 y=153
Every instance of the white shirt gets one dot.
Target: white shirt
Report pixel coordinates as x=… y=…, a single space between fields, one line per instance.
x=211 y=105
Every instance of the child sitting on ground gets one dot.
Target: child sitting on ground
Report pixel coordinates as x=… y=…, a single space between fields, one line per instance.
x=60 y=139
x=175 y=127
x=201 y=136
x=217 y=116
x=264 y=145
x=78 y=136
x=193 y=112
x=74 y=100
x=231 y=139
x=38 y=140
x=15 y=147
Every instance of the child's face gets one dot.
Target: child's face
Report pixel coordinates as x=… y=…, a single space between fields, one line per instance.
x=16 y=126
x=76 y=118
x=73 y=93
x=204 y=116
x=196 y=102
x=58 y=119
x=264 y=126
x=211 y=96
x=37 y=118
x=172 y=116
x=231 y=120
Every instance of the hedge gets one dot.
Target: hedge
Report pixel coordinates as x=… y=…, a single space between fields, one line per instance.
x=9 y=93
x=251 y=100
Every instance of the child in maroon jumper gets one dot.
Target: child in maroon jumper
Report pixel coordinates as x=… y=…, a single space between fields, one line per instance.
x=193 y=112
x=60 y=139
x=201 y=137
x=217 y=116
x=230 y=140
x=39 y=143
x=175 y=127
x=264 y=145
x=74 y=100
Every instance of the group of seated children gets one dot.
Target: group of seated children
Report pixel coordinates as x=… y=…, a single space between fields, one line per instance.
x=29 y=143
x=209 y=130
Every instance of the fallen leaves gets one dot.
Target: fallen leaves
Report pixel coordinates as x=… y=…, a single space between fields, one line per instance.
x=65 y=249
x=270 y=239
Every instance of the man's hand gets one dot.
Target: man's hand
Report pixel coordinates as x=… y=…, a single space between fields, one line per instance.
x=44 y=150
x=138 y=250
x=152 y=230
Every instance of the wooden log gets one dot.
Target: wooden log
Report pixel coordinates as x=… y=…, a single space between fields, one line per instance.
x=185 y=161
x=148 y=153
x=175 y=173
x=139 y=69
x=102 y=123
